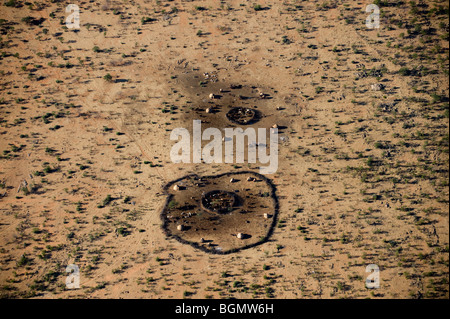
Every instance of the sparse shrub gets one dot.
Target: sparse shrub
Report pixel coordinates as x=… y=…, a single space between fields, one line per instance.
x=11 y=3
x=25 y=190
x=121 y=231
x=436 y=98
x=23 y=260
x=127 y=199
x=172 y=204
x=108 y=77
x=145 y=20
x=285 y=40
x=257 y=7
x=107 y=200
x=404 y=71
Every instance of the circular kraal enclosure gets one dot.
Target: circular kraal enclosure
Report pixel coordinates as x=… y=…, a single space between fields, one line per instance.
x=220 y=214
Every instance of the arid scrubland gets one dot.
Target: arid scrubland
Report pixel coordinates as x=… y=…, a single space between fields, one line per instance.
x=86 y=116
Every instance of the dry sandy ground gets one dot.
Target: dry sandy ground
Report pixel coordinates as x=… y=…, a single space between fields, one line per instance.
x=362 y=177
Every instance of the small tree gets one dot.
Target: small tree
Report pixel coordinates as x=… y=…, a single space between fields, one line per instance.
x=108 y=77
x=107 y=200
x=11 y=3
x=257 y=7
x=24 y=260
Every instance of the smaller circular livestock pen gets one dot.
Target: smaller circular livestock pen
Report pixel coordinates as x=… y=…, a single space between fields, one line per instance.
x=243 y=115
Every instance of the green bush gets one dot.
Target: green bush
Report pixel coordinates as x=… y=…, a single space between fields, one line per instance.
x=11 y=3
x=24 y=260
x=108 y=77
x=404 y=71
x=107 y=200
x=257 y=7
